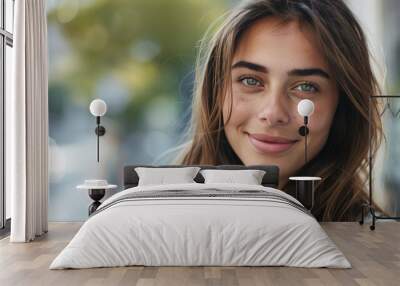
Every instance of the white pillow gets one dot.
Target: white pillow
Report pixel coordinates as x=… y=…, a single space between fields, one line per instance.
x=162 y=176
x=249 y=177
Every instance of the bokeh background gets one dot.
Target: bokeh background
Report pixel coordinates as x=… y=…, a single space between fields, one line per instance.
x=139 y=56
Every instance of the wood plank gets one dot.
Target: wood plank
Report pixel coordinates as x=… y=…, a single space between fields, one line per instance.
x=374 y=255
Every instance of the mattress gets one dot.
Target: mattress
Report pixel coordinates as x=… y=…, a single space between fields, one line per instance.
x=201 y=225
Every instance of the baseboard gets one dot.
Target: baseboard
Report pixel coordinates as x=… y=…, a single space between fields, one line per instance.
x=5 y=231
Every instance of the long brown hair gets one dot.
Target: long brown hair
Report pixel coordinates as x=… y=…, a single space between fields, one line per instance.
x=343 y=161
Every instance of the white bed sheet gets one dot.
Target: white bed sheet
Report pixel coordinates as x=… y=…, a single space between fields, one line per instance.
x=200 y=231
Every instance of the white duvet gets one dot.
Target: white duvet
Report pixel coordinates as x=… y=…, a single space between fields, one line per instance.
x=200 y=231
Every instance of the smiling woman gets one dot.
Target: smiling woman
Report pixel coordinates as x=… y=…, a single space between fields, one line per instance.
x=275 y=66
x=266 y=57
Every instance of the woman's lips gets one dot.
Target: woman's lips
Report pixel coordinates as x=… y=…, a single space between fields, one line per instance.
x=270 y=147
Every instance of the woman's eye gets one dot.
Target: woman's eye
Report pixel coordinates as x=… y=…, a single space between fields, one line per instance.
x=306 y=87
x=250 y=81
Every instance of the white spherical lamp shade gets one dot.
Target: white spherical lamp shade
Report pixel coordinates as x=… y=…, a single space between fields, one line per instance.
x=98 y=107
x=305 y=107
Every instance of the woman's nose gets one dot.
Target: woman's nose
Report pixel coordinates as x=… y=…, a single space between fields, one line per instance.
x=275 y=109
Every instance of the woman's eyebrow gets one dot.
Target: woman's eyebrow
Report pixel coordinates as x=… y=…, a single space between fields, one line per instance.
x=249 y=65
x=294 y=72
x=309 y=72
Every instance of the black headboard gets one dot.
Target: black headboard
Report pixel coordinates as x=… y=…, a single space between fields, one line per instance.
x=270 y=179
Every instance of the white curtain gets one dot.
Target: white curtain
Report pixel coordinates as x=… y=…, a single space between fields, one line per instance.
x=27 y=123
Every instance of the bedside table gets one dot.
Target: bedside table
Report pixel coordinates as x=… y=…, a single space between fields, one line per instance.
x=97 y=190
x=305 y=187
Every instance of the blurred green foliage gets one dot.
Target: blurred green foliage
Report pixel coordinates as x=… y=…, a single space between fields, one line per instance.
x=148 y=46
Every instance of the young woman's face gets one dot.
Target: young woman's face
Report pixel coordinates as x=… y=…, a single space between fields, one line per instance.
x=274 y=67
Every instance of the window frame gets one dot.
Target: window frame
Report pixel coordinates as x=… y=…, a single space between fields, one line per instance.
x=6 y=39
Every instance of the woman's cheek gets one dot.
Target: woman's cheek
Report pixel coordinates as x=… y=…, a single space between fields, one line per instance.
x=241 y=111
x=319 y=125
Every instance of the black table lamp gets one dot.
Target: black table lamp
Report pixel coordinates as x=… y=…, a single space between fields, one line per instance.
x=98 y=108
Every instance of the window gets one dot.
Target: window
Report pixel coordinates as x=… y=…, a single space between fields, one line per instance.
x=6 y=44
x=145 y=77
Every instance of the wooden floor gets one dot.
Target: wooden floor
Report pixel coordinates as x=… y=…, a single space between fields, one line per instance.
x=374 y=255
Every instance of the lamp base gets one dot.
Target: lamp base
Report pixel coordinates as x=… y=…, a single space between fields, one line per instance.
x=371 y=209
x=96 y=195
x=100 y=130
x=305 y=193
x=303 y=130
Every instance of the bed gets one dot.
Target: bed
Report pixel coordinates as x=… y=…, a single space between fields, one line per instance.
x=201 y=224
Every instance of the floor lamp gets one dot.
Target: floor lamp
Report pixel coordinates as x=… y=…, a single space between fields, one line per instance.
x=369 y=205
